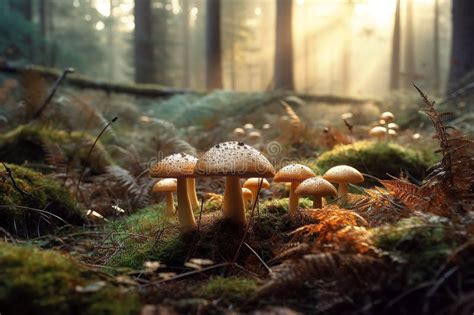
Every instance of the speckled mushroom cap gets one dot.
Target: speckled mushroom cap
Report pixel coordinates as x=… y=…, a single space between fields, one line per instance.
x=176 y=166
x=377 y=131
x=316 y=186
x=343 y=174
x=293 y=173
x=254 y=182
x=234 y=159
x=165 y=185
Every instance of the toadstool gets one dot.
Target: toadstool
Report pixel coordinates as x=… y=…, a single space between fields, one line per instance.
x=168 y=186
x=179 y=166
x=234 y=160
x=378 y=132
x=316 y=187
x=387 y=117
x=343 y=175
x=253 y=183
x=247 y=195
x=294 y=174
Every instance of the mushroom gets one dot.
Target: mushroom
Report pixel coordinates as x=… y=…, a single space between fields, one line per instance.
x=191 y=185
x=247 y=195
x=179 y=166
x=317 y=187
x=234 y=160
x=416 y=136
x=168 y=186
x=392 y=132
x=294 y=174
x=393 y=126
x=249 y=126
x=255 y=136
x=387 y=117
x=238 y=133
x=343 y=175
x=253 y=183
x=378 y=132
x=266 y=126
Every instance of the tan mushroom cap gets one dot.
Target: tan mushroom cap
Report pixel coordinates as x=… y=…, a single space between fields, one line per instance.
x=343 y=174
x=316 y=186
x=393 y=126
x=254 y=183
x=247 y=193
x=234 y=159
x=165 y=185
x=293 y=173
x=377 y=131
x=387 y=116
x=177 y=165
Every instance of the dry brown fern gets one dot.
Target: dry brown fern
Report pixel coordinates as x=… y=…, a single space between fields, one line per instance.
x=327 y=222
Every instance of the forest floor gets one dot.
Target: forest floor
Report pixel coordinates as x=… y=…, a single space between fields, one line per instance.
x=82 y=233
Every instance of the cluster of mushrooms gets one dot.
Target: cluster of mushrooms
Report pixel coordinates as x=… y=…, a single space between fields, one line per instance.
x=386 y=127
x=235 y=160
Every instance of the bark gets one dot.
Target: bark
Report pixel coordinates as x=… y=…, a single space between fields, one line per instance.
x=186 y=39
x=213 y=45
x=283 y=78
x=462 y=50
x=143 y=43
x=395 y=65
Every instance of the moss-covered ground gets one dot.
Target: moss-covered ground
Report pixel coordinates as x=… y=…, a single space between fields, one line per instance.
x=38 y=204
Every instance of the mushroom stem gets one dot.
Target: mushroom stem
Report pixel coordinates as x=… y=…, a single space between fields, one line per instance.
x=317 y=202
x=169 y=208
x=191 y=182
x=185 y=212
x=294 y=199
x=342 y=191
x=254 y=195
x=233 y=204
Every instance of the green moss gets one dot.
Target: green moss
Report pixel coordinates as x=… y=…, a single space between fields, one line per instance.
x=378 y=159
x=421 y=245
x=235 y=289
x=41 y=193
x=281 y=205
x=35 y=144
x=44 y=282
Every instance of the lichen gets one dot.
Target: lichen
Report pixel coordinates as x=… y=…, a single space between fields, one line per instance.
x=39 y=205
x=45 y=282
x=378 y=159
x=39 y=145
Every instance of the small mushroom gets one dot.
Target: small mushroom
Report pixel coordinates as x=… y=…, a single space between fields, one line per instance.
x=343 y=175
x=238 y=133
x=254 y=136
x=393 y=126
x=387 y=117
x=234 y=160
x=294 y=174
x=378 y=132
x=253 y=184
x=249 y=127
x=416 y=136
x=392 y=133
x=179 y=166
x=247 y=195
x=168 y=186
x=266 y=126
x=318 y=188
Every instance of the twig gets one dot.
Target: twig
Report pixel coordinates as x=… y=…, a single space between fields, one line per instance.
x=259 y=258
x=237 y=253
x=90 y=152
x=52 y=92
x=37 y=210
x=10 y=174
x=190 y=273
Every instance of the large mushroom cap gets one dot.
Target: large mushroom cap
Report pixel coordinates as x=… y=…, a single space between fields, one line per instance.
x=165 y=185
x=316 y=186
x=254 y=183
x=234 y=159
x=247 y=193
x=176 y=165
x=293 y=173
x=343 y=174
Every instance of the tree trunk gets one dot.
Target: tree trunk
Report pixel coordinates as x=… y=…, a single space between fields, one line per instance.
x=213 y=45
x=462 y=50
x=43 y=28
x=143 y=44
x=436 y=66
x=186 y=61
x=283 y=66
x=410 y=71
x=112 y=64
x=395 y=65
x=25 y=8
